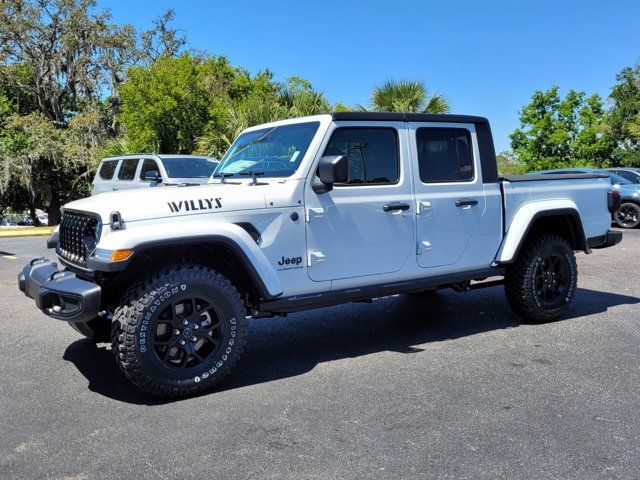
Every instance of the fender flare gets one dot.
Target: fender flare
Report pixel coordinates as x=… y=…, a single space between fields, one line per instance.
x=228 y=234
x=527 y=215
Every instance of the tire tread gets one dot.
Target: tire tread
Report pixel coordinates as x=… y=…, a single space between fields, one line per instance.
x=128 y=316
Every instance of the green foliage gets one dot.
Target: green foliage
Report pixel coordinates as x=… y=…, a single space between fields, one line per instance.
x=165 y=106
x=406 y=96
x=510 y=164
x=62 y=63
x=560 y=132
x=264 y=101
x=31 y=150
x=623 y=119
x=341 y=107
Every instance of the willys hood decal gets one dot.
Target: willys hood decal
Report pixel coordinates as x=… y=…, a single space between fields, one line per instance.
x=150 y=203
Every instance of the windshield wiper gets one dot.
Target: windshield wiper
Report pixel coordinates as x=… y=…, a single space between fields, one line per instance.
x=223 y=176
x=254 y=175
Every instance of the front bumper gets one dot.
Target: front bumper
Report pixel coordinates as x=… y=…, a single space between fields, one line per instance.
x=59 y=293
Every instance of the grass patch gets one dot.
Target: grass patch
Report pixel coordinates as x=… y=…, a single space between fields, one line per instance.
x=6 y=232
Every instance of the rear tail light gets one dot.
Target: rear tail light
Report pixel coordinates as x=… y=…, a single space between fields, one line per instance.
x=614 y=199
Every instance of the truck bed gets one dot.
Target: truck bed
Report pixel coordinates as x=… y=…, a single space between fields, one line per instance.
x=588 y=191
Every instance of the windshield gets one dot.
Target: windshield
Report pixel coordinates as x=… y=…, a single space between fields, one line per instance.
x=617 y=179
x=275 y=151
x=189 y=167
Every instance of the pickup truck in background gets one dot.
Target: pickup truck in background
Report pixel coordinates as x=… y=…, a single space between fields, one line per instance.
x=307 y=213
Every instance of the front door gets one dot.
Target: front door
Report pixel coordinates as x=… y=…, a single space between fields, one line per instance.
x=365 y=226
x=450 y=198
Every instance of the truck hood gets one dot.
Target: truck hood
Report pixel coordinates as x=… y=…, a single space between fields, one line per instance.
x=150 y=203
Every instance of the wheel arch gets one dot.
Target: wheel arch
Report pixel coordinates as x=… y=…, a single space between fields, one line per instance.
x=564 y=221
x=228 y=248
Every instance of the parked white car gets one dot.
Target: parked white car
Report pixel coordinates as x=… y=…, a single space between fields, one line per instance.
x=150 y=170
x=308 y=213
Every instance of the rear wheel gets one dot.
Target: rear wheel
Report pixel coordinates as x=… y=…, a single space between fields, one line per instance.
x=542 y=281
x=180 y=331
x=628 y=216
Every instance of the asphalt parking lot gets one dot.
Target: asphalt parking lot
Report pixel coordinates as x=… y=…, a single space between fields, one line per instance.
x=449 y=387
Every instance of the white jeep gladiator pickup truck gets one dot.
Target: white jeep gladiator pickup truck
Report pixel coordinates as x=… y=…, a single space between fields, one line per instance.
x=308 y=213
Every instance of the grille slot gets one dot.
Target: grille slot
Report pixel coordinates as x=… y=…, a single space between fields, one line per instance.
x=77 y=236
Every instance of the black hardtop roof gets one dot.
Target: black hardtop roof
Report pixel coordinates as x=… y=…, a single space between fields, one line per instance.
x=406 y=117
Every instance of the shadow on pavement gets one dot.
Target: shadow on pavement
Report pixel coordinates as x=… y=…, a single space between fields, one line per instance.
x=285 y=347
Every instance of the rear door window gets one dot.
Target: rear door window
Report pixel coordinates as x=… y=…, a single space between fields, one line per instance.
x=444 y=155
x=128 y=169
x=107 y=169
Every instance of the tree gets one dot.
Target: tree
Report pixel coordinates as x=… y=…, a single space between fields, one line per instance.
x=31 y=150
x=264 y=102
x=560 y=132
x=75 y=52
x=406 y=96
x=623 y=118
x=509 y=164
x=63 y=62
x=165 y=106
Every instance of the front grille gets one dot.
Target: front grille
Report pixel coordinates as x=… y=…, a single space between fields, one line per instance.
x=77 y=236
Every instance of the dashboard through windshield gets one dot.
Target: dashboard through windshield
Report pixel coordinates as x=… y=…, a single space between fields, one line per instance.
x=272 y=152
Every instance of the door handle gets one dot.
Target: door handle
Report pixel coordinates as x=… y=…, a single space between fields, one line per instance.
x=115 y=188
x=469 y=202
x=390 y=207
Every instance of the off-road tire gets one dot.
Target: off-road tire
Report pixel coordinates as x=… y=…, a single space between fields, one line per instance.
x=136 y=325
x=522 y=282
x=98 y=330
x=628 y=216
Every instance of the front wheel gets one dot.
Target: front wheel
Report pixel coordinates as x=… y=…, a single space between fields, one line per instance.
x=180 y=331
x=628 y=216
x=542 y=281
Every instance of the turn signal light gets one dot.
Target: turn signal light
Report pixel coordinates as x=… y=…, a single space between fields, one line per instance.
x=119 y=255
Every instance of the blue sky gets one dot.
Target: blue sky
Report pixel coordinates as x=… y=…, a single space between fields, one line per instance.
x=486 y=57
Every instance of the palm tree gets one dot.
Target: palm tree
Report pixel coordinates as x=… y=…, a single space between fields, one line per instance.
x=406 y=96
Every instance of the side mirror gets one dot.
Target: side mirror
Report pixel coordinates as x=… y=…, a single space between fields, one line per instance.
x=153 y=176
x=331 y=169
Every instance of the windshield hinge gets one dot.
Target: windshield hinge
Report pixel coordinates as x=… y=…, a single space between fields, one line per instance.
x=314 y=213
x=313 y=258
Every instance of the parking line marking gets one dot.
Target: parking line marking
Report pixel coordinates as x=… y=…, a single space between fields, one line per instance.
x=10 y=257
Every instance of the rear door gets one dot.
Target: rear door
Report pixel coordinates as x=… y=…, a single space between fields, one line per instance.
x=449 y=193
x=365 y=226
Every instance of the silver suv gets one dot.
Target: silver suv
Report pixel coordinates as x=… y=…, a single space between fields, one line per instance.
x=150 y=170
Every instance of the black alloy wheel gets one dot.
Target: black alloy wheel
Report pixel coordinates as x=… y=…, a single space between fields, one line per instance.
x=552 y=280
x=188 y=332
x=628 y=216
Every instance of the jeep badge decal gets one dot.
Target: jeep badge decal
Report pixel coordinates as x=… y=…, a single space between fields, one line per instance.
x=194 y=205
x=289 y=263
